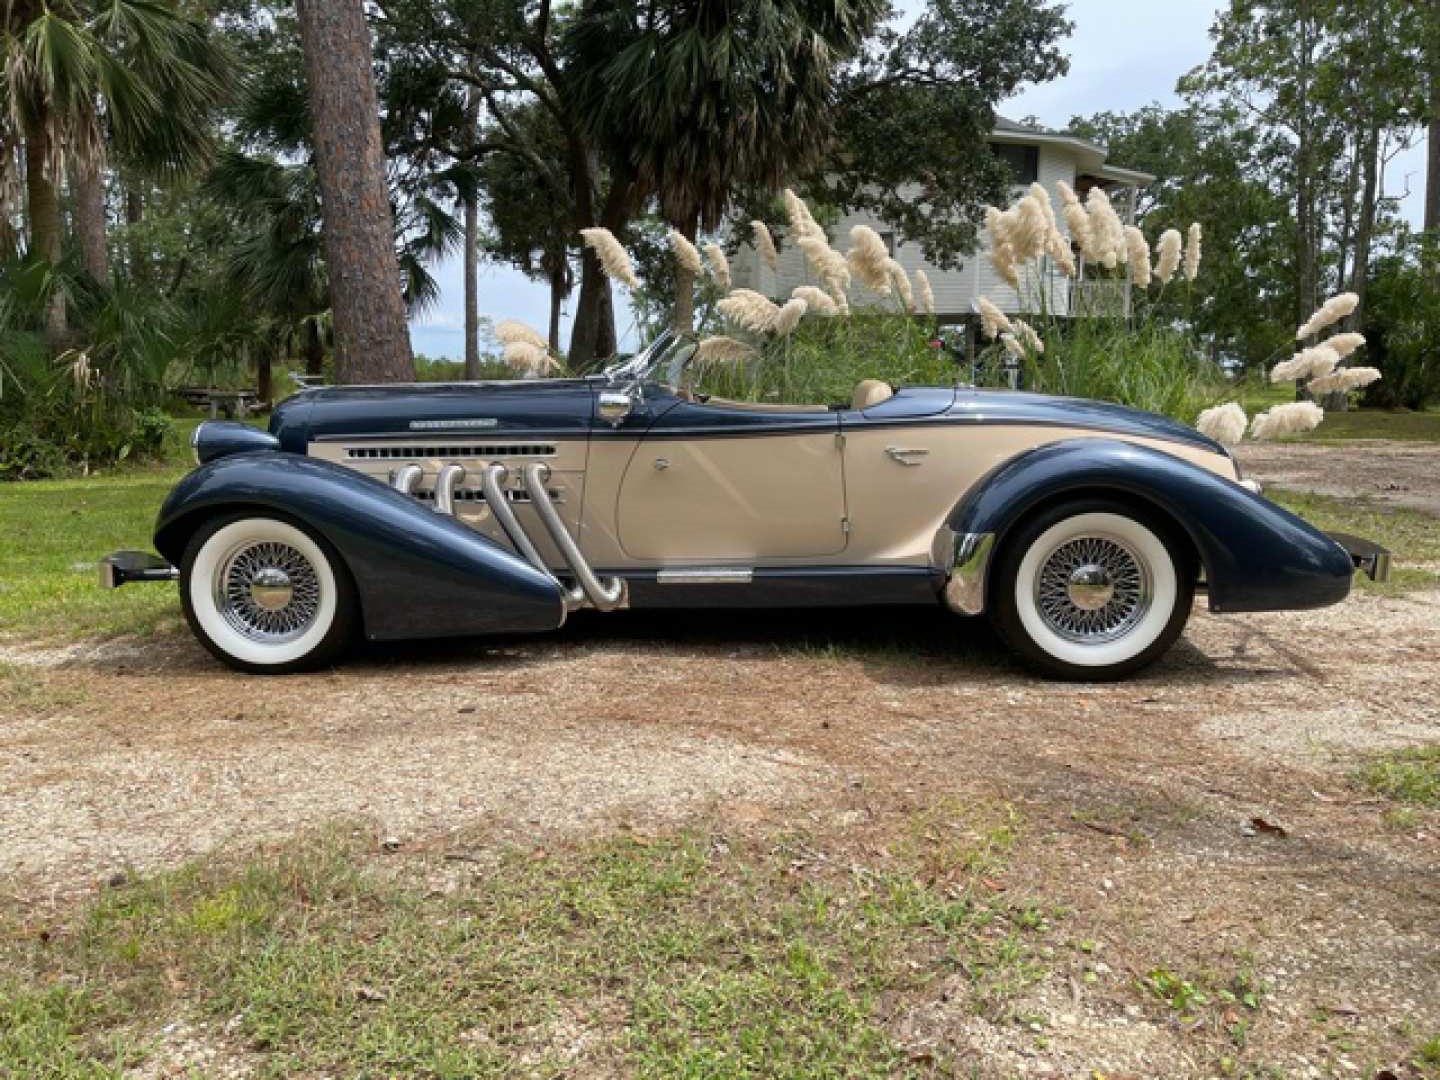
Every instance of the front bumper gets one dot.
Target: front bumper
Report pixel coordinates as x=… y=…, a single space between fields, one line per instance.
x=1365 y=555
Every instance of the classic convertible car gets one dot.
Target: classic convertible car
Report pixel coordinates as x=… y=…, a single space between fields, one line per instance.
x=1082 y=529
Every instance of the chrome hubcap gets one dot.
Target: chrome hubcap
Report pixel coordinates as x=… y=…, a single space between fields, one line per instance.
x=268 y=591
x=1093 y=589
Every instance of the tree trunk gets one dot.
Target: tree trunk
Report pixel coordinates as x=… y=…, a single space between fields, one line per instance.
x=264 y=374
x=90 y=219
x=136 y=253
x=592 y=336
x=472 y=251
x=314 y=349
x=372 y=339
x=43 y=210
x=682 y=320
x=559 y=290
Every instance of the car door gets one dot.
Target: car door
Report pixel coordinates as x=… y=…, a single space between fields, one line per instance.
x=733 y=482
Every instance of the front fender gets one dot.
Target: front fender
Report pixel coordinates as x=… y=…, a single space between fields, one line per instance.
x=418 y=573
x=1257 y=556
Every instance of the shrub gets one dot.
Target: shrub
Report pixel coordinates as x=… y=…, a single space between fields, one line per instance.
x=1402 y=325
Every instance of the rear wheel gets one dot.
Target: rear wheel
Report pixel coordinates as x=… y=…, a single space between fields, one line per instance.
x=1092 y=590
x=265 y=595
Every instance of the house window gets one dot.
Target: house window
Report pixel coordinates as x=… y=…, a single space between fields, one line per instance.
x=889 y=239
x=1024 y=161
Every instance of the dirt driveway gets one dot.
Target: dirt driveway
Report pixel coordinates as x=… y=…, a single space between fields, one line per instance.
x=1391 y=473
x=1196 y=818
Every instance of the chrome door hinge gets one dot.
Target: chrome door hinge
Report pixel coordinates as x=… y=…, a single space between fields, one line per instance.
x=839 y=440
x=845 y=525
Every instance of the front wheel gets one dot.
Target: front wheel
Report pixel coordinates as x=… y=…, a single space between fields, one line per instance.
x=1092 y=590
x=265 y=596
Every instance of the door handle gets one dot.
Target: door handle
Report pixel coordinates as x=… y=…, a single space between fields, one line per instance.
x=904 y=454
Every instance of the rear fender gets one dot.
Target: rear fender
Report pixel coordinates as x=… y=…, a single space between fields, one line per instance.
x=1257 y=556
x=418 y=573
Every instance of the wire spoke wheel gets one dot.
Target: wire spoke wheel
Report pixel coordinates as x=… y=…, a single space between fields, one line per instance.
x=268 y=591
x=1093 y=589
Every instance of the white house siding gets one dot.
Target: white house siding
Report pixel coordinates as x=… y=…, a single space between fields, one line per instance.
x=955 y=290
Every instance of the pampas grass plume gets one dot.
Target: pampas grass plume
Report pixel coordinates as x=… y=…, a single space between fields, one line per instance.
x=1225 y=424
x=510 y=331
x=868 y=259
x=614 y=260
x=1329 y=313
x=1313 y=363
x=1345 y=344
x=1287 y=419
x=1192 y=252
x=685 y=253
x=993 y=321
x=1138 y=249
x=765 y=244
x=788 y=317
x=722 y=350
x=1168 y=261
x=1344 y=380
x=927 y=294
x=527 y=357
x=749 y=310
x=719 y=265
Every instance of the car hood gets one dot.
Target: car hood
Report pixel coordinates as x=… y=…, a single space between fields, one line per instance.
x=1014 y=407
x=431 y=410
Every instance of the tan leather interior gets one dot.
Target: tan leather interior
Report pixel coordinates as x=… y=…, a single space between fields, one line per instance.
x=870 y=392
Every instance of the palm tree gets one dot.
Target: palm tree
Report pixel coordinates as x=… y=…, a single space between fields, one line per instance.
x=137 y=75
x=706 y=97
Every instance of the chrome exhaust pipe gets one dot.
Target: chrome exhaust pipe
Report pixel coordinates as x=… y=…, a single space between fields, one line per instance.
x=405 y=478
x=450 y=475
x=492 y=483
x=605 y=597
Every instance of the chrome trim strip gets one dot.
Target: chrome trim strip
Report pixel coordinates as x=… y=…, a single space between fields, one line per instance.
x=715 y=575
x=606 y=596
x=965 y=590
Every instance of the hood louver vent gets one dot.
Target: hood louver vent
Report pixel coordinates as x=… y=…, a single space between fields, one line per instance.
x=512 y=450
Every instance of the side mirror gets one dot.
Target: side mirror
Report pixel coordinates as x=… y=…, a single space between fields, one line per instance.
x=614 y=406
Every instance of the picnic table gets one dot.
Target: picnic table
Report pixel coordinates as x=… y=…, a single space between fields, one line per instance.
x=232 y=403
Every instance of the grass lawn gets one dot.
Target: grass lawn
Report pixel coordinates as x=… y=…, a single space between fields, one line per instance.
x=53 y=532
x=1408 y=776
x=664 y=957
x=1401 y=424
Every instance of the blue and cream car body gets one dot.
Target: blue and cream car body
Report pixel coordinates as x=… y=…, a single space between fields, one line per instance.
x=455 y=509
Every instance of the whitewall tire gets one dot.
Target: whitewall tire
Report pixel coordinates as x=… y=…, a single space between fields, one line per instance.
x=1092 y=590
x=265 y=595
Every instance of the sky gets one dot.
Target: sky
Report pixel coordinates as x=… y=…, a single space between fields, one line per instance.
x=1123 y=54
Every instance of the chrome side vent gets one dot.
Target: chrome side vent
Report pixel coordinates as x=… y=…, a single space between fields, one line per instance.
x=509 y=450
x=476 y=495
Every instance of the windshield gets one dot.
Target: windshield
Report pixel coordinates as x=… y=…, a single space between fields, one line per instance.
x=663 y=360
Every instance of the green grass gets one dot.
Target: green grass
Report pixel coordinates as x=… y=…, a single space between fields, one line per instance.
x=1411 y=536
x=673 y=957
x=1409 y=776
x=1400 y=425
x=53 y=532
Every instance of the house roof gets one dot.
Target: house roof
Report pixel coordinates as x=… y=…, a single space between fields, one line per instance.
x=1091 y=155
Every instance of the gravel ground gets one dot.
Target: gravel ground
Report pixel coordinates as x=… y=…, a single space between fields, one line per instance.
x=1139 y=800
x=1390 y=473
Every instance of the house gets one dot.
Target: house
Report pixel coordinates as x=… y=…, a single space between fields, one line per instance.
x=1033 y=154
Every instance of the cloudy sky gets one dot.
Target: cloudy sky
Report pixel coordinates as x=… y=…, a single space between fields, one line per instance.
x=1123 y=54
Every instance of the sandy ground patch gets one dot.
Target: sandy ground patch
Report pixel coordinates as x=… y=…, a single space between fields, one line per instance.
x=1392 y=473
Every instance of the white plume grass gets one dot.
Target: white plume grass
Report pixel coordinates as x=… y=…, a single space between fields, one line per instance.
x=1168 y=260
x=925 y=291
x=720 y=349
x=788 y=317
x=1313 y=363
x=1026 y=333
x=614 y=259
x=993 y=321
x=868 y=259
x=1225 y=424
x=749 y=310
x=765 y=244
x=510 y=331
x=1344 y=380
x=1345 y=344
x=900 y=282
x=686 y=254
x=1138 y=249
x=719 y=265
x=1192 y=252
x=1291 y=418
x=1328 y=314
x=528 y=358
x=816 y=300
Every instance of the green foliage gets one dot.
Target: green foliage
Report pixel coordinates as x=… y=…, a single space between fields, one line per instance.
x=1402 y=328
x=1411 y=775
x=1146 y=365
x=820 y=363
